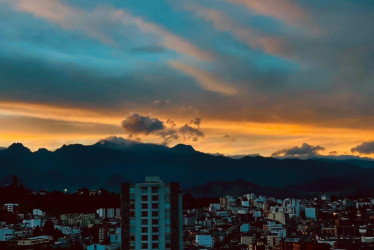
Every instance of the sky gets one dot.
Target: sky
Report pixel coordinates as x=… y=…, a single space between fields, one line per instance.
x=233 y=77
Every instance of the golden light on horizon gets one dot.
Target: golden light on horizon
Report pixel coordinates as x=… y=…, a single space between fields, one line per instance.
x=242 y=137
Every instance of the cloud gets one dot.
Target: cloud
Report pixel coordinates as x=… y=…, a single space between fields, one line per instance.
x=156 y=102
x=171 y=122
x=286 y=10
x=229 y=138
x=197 y=122
x=205 y=79
x=117 y=141
x=364 y=148
x=254 y=38
x=137 y=124
x=305 y=150
x=70 y=18
x=168 y=135
x=99 y=22
x=190 y=132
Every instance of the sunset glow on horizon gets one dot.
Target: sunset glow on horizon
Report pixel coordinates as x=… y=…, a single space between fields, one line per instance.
x=232 y=77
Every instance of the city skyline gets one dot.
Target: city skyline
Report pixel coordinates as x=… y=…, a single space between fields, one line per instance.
x=233 y=77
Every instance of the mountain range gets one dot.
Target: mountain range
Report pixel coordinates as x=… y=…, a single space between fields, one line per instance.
x=114 y=160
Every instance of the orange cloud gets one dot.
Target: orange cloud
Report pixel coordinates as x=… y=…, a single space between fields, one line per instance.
x=205 y=79
x=44 y=111
x=251 y=137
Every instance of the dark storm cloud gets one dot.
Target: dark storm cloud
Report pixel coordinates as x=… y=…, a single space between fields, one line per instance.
x=364 y=148
x=305 y=150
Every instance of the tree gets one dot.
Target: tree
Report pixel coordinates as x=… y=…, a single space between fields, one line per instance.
x=48 y=228
x=37 y=231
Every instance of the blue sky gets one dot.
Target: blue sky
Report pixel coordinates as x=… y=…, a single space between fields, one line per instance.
x=300 y=69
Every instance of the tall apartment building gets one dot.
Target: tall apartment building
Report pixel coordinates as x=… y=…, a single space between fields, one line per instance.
x=151 y=215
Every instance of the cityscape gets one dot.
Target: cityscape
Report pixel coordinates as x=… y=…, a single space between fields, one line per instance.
x=187 y=124
x=157 y=215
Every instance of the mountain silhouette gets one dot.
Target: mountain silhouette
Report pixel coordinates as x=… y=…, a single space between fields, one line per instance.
x=110 y=161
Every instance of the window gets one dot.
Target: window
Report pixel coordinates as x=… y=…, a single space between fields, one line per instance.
x=154 y=190
x=144 y=197
x=144 y=190
x=132 y=213
x=155 y=198
x=144 y=214
x=155 y=206
x=144 y=222
x=154 y=237
x=155 y=245
x=144 y=245
x=154 y=213
x=144 y=206
x=154 y=229
x=132 y=206
x=144 y=229
x=155 y=222
x=167 y=236
x=144 y=237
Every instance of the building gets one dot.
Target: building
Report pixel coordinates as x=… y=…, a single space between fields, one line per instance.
x=245 y=228
x=204 y=241
x=6 y=234
x=278 y=216
x=292 y=207
x=109 y=213
x=32 y=223
x=11 y=207
x=311 y=213
x=247 y=240
x=33 y=241
x=272 y=240
x=151 y=215
x=38 y=212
